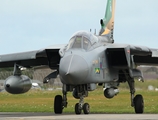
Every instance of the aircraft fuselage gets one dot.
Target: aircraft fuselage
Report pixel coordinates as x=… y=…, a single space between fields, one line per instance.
x=80 y=66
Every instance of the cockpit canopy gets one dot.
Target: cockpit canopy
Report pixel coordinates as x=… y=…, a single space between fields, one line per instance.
x=83 y=40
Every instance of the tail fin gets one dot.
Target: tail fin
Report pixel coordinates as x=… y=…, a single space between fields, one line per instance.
x=107 y=23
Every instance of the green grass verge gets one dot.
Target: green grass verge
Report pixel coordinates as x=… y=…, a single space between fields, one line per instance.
x=42 y=101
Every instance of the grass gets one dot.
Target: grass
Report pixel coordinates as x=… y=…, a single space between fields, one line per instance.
x=42 y=101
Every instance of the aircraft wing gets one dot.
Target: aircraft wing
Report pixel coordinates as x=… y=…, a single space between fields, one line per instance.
x=47 y=56
x=149 y=59
x=122 y=55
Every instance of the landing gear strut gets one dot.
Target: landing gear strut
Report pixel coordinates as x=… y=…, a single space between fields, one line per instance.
x=60 y=102
x=82 y=106
x=81 y=92
x=137 y=102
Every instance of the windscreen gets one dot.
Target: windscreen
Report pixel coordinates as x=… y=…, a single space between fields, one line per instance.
x=79 y=42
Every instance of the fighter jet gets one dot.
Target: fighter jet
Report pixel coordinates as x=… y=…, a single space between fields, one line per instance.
x=86 y=61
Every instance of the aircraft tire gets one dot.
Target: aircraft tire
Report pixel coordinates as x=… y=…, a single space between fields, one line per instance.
x=139 y=104
x=86 y=108
x=58 y=104
x=75 y=94
x=77 y=109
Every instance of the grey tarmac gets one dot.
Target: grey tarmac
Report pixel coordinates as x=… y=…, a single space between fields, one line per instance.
x=51 y=116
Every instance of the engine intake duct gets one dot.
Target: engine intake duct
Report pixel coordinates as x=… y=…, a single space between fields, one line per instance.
x=117 y=57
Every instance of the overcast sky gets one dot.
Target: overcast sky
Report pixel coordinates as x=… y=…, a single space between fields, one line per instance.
x=34 y=24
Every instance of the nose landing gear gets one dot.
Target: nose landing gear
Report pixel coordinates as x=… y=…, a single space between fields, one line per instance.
x=82 y=106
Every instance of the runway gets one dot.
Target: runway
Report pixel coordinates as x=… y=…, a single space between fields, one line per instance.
x=51 y=116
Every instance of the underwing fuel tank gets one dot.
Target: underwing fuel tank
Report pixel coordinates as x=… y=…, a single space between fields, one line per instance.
x=110 y=92
x=18 y=84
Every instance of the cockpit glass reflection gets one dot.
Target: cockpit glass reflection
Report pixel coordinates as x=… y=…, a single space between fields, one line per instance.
x=86 y=43
x=70 y=43
x=77 y=42
x=82 y=40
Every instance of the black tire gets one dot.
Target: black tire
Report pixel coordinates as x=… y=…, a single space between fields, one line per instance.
x=75 y=94
x=77 y=109
x=139 y=104
x=86 y=108
x=58 y=108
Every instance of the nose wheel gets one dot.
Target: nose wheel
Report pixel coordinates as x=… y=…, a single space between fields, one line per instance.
x=82 y=106
x=86 y=108
x=79 y=108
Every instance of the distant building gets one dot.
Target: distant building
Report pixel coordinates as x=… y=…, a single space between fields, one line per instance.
x=40 y=74
x=149 y=72
x=2 y=84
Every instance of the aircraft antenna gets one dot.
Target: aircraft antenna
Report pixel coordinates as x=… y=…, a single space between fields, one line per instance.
x=95 y=32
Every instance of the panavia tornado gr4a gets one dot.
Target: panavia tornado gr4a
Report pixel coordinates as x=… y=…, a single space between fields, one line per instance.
x=86 y=61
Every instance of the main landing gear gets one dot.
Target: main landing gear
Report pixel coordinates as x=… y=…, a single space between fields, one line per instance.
x=79 y=92
x=137 y=102
x=60 y=101
x=58 y=105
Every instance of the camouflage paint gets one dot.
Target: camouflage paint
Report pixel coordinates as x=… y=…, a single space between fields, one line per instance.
x=108 y=20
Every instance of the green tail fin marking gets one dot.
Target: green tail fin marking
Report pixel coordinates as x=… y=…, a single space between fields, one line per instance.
x=107 y=23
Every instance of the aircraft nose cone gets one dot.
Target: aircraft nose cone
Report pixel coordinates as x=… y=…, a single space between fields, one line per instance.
x=73 y=69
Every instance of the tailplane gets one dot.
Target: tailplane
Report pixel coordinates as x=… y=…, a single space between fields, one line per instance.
x=107 y=23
